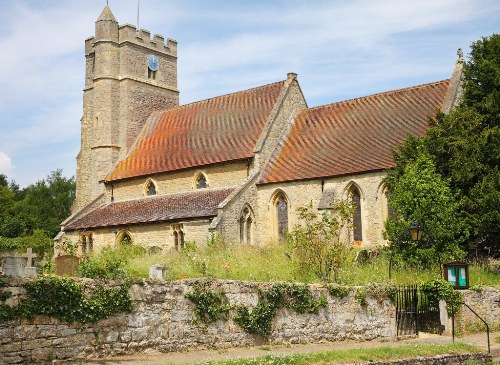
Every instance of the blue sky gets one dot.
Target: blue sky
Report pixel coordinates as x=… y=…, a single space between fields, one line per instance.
x=340 y=49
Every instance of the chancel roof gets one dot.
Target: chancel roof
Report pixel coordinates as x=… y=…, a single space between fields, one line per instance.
x=224 y=128
x=353 y=136
x=199 y=204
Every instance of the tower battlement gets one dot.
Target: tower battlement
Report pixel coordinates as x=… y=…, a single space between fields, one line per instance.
x=128 y=33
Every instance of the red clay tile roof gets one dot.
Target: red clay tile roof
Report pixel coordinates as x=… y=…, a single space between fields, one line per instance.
x=223 y=128
x=198 y=204
x=353 y=136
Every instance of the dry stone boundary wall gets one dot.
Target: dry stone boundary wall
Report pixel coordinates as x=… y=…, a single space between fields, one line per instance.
x=163 y=320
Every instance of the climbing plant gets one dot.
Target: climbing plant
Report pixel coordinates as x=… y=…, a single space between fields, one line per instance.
x=65 y=299
x=210 y=305
x=213 y=305
x=437 y=290
x=259 y=320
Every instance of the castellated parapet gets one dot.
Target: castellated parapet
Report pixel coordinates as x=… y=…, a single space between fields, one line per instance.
x=119 y=95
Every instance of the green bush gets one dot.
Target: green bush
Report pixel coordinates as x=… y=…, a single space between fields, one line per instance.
x=320 y=244
x=39 y=241
x=109 y=263
x=440 y=289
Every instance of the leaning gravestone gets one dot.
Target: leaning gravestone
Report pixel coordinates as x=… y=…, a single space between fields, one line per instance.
x=66 y=265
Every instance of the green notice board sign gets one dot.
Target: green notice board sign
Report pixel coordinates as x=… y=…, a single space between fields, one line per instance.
x=457 y=274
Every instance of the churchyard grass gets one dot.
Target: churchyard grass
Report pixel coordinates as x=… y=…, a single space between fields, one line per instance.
x=354 y=355
x=272 y=263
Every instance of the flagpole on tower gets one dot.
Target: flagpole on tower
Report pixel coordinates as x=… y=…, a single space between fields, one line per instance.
x=138 y=4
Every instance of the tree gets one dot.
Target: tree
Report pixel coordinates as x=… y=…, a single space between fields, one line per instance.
x=466 y=143
x=43 y=205
x=321 y=244
x=464 y=147
x=419 y=193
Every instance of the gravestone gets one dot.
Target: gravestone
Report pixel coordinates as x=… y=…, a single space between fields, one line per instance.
x=20 y=266
x=66 y=265
x=156 y=272
x=14 y=266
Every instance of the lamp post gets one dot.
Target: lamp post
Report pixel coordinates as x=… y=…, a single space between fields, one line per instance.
x=416 y=232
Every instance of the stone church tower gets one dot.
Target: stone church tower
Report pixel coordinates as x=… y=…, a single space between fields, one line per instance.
x=128 y=76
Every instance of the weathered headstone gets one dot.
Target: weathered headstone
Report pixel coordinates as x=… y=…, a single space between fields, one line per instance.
x=67 y=265
x=20 y=266
x=14 y=266
x=156 y=272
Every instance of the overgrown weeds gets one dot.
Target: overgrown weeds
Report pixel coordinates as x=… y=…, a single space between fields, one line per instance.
x=220 y=260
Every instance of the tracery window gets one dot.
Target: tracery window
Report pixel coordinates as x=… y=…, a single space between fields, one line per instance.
x=178 y=234
x=355 y=199
x=246 y=226
x=280 y=203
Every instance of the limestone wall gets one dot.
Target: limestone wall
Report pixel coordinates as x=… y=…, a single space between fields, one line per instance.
x=163 y=321
x=301 y=193
x=218 y=176
x=486 y=303
x=148 y=235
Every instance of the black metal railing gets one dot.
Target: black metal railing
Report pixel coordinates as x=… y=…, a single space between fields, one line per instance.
x=477 y=315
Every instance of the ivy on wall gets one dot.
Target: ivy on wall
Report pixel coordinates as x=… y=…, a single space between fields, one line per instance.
x=437 y=290
x=213 y=305
x=66 y=300
x=210 y=305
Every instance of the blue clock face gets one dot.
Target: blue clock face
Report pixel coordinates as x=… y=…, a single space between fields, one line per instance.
x=153 y=62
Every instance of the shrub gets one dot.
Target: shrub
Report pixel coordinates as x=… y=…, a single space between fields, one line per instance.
x=109 y=263
x=321 y=245
x=437 y=290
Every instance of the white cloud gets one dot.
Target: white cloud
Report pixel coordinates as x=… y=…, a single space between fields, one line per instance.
x=340 y=49
x=6 y=166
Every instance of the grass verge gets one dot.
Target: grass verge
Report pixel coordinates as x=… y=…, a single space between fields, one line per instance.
x=354 y=355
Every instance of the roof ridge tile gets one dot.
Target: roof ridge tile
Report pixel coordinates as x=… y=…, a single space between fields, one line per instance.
x=383 y=93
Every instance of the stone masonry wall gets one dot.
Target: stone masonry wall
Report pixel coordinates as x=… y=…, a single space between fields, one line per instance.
x=148 y=235
x=163 y=320
x=486 y=303
x=301 y=193
x=218 y=176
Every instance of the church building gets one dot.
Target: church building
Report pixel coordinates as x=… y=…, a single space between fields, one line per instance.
x=159 y=174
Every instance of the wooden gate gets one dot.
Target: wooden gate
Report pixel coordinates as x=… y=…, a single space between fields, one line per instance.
x=416 y=313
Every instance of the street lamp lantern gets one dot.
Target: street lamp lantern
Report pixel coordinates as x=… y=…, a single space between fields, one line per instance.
x=416 y=231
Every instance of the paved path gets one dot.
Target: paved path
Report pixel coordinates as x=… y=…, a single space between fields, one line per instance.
x=196 y=356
